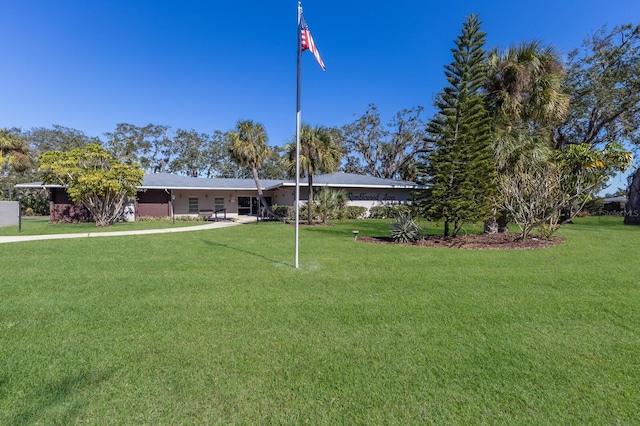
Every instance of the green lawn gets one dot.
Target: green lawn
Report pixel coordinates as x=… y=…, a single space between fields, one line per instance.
x=217 y=327
x=40 y=225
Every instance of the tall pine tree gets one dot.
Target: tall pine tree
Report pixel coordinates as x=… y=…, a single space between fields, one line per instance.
x=460 y=167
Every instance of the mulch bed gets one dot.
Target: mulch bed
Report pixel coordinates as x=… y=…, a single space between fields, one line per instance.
x=475 y=242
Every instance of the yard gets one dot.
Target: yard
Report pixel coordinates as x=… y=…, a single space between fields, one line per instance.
x=217 y=327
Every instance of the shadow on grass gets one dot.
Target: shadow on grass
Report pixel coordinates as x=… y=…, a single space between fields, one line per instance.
x=226 y=246
x=61 y=396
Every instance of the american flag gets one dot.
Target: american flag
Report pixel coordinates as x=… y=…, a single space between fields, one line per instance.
x=307 y=42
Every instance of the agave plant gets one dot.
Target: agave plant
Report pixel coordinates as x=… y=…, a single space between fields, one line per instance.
x=404 y=229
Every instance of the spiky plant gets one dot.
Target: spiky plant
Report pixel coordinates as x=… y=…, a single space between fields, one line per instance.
x=404 y=229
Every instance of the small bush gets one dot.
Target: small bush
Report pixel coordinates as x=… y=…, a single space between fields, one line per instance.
x=547 y=230
x=389 y=212
x=355 y=212
x=399 y=210
x=153 y=218
x=329 y=204
x=29 y=212
x=594 y=206
x=404 y=229
x=303 y=213
x=379 y=212
x=284 y=211
x=37 y=201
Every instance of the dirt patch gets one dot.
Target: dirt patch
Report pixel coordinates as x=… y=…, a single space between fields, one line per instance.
x=475 y=242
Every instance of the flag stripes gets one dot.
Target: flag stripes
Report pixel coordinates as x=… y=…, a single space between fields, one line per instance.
x=306 y=42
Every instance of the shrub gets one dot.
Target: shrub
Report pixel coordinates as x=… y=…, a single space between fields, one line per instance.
x=389 y=212
x=329 y=203
x=29 y=212
x=154 y=218
x=38 y=201
x=547 y=230
x=379 y=212
x=594 y=206
x=355 y=212
x=400 y=210
x=284 y=211
x=304 y=212
x=404 y=229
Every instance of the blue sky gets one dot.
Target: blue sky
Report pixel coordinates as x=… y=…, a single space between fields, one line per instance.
x=204 y=65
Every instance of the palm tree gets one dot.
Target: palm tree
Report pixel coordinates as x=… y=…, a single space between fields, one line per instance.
x=524 y=84
x=330 y=202
x=525 y=98
x=247 y=145
x=318 y=154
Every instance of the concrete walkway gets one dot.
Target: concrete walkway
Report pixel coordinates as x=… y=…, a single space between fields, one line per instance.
x=212 y=225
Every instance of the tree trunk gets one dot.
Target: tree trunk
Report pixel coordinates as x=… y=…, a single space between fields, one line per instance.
x=263 y=201
x=310 y=200
x=498 y=224
x=491 y=226
x=566 y=214
x=632 y=208
x=503 y=223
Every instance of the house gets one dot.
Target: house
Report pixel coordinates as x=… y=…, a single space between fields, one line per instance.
x=167 y=194
x=612 y=204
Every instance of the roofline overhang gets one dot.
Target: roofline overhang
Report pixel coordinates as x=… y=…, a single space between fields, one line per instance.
x=38 y=185
x=266 y=188
x=197 y=188
x=338 y=185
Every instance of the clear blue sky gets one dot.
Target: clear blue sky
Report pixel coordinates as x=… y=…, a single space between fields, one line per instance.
x=206 y=64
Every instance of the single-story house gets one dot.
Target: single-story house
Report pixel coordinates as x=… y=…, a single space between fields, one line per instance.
x=167 y=194
x=615 y=204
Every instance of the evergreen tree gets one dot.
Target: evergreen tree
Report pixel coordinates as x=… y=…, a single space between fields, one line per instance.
x=460 y=167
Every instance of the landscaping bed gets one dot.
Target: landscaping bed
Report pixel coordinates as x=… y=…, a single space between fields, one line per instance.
x=476 y=241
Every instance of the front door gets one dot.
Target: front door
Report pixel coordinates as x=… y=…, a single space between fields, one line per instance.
x=250 y=206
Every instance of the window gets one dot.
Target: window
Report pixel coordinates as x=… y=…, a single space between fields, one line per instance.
x=244 y=205
x=193 y=205
x=219 y=204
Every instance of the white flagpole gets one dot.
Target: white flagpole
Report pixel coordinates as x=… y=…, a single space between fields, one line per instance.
x=297 y=207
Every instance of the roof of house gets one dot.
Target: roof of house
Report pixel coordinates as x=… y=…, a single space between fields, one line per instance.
x=341 y=179
x=620 y=199
x=173 y=181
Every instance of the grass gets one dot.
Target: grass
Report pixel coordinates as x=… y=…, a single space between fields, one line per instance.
x=41 y=225
x=217 y=327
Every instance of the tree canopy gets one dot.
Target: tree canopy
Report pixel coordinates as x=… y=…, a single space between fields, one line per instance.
x=384 y=151
x=94 y=179
x=603 y=81
x=14 y=152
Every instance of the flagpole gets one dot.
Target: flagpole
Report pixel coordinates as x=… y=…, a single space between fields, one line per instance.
x=297 y=207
